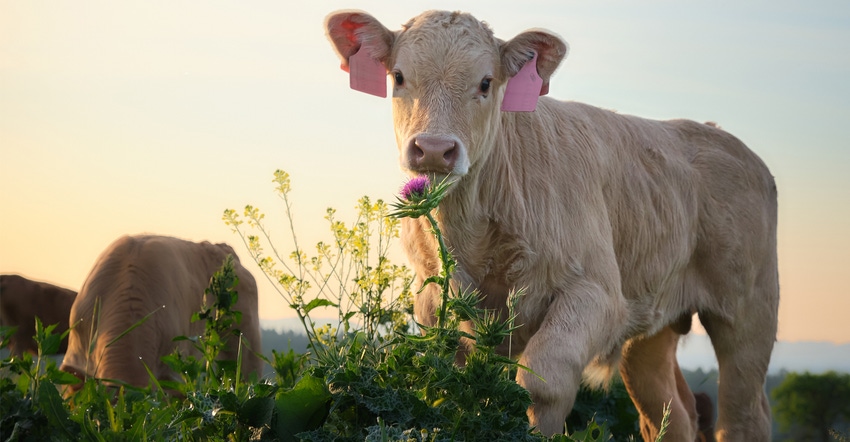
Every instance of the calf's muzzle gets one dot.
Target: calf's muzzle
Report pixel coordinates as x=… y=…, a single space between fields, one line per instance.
x=432 y=153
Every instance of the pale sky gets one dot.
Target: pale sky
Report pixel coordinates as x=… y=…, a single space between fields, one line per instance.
x=130 y=117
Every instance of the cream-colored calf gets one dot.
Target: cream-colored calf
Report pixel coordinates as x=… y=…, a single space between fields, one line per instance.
x=618 y=227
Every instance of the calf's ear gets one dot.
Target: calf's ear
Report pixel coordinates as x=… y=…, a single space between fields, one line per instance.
x=549 y=48
x=363 y=45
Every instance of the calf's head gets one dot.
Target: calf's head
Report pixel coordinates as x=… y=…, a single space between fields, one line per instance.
x=449 y=75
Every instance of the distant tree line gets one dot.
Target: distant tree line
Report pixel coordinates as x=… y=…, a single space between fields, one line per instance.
x=805 y=406
x=282 y=342
x=814 y=407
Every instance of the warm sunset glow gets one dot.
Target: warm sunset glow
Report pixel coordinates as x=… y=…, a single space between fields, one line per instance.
x=122 y=118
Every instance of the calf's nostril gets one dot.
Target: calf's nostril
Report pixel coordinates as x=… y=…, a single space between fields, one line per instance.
x=417 y=151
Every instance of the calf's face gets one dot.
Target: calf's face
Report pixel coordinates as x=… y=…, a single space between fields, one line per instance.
x=449 y=74
x=445 y=72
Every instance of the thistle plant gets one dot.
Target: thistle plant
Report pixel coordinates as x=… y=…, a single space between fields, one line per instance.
x=418 y=198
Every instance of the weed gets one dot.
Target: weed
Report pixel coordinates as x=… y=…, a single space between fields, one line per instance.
x=369 y=376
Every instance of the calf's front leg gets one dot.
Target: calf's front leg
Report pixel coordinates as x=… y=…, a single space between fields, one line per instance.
x=580 y=324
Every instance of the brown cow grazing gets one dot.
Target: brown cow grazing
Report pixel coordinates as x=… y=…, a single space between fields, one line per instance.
x=137 y=275
x=22 y=300
x=616 y=226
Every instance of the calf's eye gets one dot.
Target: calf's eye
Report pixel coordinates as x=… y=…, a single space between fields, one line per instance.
x=399 y=79
x=485 y=85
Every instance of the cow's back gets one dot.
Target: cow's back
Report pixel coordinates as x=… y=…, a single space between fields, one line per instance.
x=693 y=217
x=140 y=275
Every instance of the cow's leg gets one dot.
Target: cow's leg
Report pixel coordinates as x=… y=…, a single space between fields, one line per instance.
x=705 y=417
x=576 y=327
x=653 y=379
x=743 y=348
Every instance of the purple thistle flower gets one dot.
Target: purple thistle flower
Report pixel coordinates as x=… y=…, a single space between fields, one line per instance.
x=415 y=188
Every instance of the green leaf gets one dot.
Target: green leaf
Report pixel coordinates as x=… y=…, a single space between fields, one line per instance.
x=257 y=411
x=151 y=376
x=302 y=408
x=318 y=303
x=435 y=279
x=53 y=407
x=45 y=338
x=91 y=431
x=62 y=377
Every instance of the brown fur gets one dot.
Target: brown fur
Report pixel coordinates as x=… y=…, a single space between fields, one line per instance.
x=616 y=226
x=705 y=417
x=22 y=300
x=137 y=275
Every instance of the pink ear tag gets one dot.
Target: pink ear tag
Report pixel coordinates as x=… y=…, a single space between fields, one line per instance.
x=523 y=89
x=367 y=74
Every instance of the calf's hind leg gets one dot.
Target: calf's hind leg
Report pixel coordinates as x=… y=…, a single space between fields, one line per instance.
x=653 y=379
x=743 y=353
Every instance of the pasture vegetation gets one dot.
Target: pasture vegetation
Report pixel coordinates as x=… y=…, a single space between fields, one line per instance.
x=376 y=376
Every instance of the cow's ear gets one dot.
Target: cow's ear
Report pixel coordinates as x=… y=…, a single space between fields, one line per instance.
x=363 y=45
x=549 y=48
